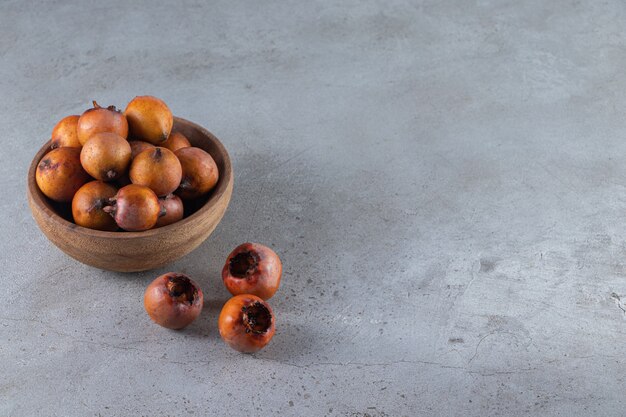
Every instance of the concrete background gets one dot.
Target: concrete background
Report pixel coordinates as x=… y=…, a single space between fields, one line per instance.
x=444 y=181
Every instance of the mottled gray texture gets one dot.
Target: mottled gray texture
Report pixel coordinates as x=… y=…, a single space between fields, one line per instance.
x=445 y=182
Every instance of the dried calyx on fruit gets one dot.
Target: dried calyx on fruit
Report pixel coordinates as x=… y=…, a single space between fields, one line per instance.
x=135 y=208
x=252 y=268
x=173 y=300
x=256 y=318
x=243 y=264
x=99 y=120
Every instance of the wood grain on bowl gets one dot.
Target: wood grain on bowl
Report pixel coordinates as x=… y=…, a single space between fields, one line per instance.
x=138 y=251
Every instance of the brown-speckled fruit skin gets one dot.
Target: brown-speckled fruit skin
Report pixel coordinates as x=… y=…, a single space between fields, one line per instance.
x=137 y=208
x=200 y=173
x=233 y=330
x=138 y=146
x=174 y=210
x=106 y=156
x=166 y=310
x=149 y=119
x=65 y=133
x=176 y=141
x=101 y=119
x=263 y=280
x=59 y=174
x=158 y=169
x=87 y=206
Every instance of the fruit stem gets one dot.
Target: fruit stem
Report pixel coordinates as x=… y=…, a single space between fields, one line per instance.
x=110 y=207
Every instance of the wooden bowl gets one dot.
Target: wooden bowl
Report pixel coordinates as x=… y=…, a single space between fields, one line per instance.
x=137 y=251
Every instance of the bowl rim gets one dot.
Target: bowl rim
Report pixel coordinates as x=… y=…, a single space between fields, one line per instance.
x=225 y=177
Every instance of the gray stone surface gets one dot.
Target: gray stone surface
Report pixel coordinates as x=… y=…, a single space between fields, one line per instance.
x=444 y=181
